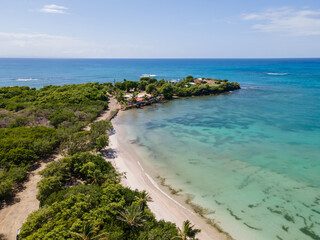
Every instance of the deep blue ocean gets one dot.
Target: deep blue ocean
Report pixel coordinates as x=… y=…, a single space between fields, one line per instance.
x=251 y=158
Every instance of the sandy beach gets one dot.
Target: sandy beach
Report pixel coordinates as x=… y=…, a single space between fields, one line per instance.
x=164 y=205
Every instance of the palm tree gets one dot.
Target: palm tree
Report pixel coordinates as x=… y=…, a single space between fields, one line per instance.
x=146 y=98
x=132 y=215
x=187 y=231
x=143 y=199
x=89 y=232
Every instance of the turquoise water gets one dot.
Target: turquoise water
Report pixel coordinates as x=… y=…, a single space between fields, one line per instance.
x=251 y=157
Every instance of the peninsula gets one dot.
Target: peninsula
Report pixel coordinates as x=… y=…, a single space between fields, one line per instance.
x=65 y=130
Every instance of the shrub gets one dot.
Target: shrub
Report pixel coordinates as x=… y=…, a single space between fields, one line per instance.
x=47 y=186
x=167 y=91
x=102 y=142
x=151 y=88
x=19 y=122
x=6 y=186
x=58 y=117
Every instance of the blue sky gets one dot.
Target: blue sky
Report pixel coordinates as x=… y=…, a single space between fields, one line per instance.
x=160 y=28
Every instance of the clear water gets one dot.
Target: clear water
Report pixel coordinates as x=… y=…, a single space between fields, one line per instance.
x=251 y=158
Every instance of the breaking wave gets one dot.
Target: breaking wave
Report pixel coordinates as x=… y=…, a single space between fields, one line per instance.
x=27 y=79
x=278 y=74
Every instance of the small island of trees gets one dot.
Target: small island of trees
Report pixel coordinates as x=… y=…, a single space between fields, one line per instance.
x=149 y=90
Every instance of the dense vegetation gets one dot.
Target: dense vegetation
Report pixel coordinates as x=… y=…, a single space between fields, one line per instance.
x=82 y=192
x=207 y=87
x=81 y=198
x=189 y=86
x=35 y=122
x=19 y=148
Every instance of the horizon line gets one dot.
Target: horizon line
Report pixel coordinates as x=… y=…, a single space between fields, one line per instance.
x=164 y=58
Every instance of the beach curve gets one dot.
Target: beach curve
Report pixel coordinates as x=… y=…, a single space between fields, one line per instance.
x=164 y=206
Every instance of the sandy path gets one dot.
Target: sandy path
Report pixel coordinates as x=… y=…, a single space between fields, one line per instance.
x=25 y=202
x=106 y=114
x=13 y=216
x=163 y=206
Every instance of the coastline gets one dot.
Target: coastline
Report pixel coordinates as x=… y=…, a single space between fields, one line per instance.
x=165 y=206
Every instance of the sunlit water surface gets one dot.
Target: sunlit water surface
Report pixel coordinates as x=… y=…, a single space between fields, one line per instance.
x=250 y=158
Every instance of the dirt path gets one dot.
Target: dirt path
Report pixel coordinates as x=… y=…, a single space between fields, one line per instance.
x=25 y=202
x=106 y=114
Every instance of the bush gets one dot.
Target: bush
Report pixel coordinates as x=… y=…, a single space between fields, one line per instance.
x=151 y=88
x=20 y=122
x=102 y=142
x=6 y=186
x=77 y=142
x=98 y=129
x=47 y=186
x=167 y=91
x=19 y=156
x=58 y=117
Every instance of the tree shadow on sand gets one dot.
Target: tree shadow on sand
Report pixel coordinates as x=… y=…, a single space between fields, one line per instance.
x=109 y=153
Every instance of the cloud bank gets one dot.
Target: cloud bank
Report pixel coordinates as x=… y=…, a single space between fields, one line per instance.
x=287 y=21
x=46 y=45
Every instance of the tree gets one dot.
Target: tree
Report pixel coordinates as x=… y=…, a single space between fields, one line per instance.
x=89 y=232
x=167 y=91
x=143 y=199
x=142 y=85
x=134 y=95
x=48 y=186
x=58 y=117
x=151 y=88
x=189 y=78
x=187 y=232
x=6 y=186
x=132 y=215
x=161 y=82
x=119 y=95
x=98 y=129
x=77 y=142
x=102 y=142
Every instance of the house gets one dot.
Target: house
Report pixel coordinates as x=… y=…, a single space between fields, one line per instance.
x=199 y=81
x=127 y=96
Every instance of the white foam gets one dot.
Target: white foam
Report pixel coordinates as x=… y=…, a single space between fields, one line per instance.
x=148 y=75
x=251 y=87
x=278 y=74
x=140 y=166
x=164 y=193
x=27 y=79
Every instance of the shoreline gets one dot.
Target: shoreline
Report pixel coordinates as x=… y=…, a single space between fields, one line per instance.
x=165 y=205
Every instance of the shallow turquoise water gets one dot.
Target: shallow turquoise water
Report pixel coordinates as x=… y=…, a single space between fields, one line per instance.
x=251 y=157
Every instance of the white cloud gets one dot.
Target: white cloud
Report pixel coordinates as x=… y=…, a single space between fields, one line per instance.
x=53 y=9
x=287 y=20
x=46 y=45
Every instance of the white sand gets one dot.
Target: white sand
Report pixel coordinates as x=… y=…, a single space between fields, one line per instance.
x=164 y=205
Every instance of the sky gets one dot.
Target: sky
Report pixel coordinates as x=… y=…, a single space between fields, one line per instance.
x=160 y=28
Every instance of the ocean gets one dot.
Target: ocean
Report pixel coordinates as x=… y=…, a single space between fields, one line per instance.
x=250 y=158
